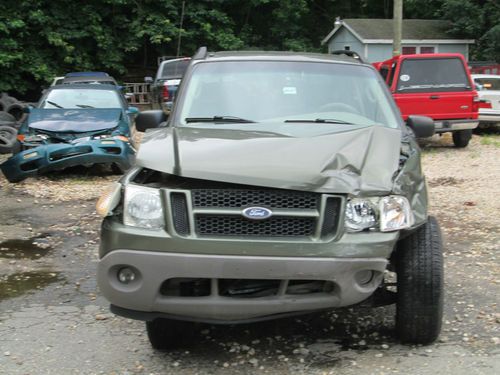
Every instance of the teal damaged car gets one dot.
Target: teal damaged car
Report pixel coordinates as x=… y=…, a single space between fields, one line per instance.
x=74 y=125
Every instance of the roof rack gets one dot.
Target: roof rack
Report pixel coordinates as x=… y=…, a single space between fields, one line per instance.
x=200 y=54
x=349 y=53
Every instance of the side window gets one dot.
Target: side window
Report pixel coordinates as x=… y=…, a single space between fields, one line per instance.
x=384 y=71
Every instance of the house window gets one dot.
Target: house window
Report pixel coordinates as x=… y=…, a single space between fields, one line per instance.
x=347 y=48
x=426 y=49
x=409 y=50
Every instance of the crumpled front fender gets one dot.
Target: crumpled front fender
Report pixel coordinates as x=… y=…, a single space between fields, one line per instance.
x=57 y=156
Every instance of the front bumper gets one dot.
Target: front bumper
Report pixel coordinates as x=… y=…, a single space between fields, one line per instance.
x=57 y=156
x=143 y=297
x=159 y=256
x=443 y=126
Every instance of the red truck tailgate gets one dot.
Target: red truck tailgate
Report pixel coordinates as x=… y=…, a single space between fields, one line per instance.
x=437 y=105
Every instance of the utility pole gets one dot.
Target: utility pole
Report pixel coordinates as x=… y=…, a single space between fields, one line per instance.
x=180 y=30
x=398 y=27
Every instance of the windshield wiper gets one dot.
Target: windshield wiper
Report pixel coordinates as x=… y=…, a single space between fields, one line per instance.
x=84 y=106
x=219 y=119
x=54 y=104
x=323 y=121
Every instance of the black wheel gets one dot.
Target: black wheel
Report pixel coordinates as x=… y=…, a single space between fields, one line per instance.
x=419 y=269
x=461 y=138
x=117 y=169
x=166 y=334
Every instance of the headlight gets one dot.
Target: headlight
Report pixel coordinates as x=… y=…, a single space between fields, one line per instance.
x=360 y=214
x=395 y=213
x=143 y=207
x=385 y=213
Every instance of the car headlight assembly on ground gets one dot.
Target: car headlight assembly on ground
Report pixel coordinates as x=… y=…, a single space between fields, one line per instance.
x=385 y=214
x=143 y=207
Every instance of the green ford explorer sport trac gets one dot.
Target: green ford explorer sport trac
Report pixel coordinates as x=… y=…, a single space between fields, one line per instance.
x=280 y=184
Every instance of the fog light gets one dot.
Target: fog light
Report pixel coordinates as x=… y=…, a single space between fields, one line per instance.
x=126 y=275
x=30 y=155
x=364 y=277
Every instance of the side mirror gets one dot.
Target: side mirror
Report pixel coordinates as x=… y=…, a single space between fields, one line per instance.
x=132 y=110
x=149 y=120
x=148 y=79
x=27 y=109
x=422 y=126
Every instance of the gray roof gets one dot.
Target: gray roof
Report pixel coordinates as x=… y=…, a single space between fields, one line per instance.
x=382 y=29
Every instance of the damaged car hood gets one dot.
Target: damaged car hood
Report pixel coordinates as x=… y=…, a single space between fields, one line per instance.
x=342 y=159
x=74 y=120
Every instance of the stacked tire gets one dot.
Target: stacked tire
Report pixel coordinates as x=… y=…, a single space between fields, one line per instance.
x=12 y=115
x=13 y=107
x=8 y=132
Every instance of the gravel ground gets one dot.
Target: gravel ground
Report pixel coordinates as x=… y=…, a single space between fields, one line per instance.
x=53 y=320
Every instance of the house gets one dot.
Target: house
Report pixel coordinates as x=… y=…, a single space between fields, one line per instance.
x=372 y=38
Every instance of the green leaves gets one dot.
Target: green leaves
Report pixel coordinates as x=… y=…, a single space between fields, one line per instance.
x=40 y=39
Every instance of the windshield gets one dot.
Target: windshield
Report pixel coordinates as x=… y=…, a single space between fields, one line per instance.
x=81 y=98
x=277 y=91
x=433 y=75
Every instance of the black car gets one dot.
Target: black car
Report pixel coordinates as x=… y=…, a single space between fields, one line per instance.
x=167 y=80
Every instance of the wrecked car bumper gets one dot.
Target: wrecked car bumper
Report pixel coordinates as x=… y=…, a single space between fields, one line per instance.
x=42 y=159
x=179 y=281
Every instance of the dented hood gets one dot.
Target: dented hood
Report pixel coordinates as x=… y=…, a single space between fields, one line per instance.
x=74 y=120
x=329 y=158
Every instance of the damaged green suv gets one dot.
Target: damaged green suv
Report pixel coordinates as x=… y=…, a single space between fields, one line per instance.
x=280 y=184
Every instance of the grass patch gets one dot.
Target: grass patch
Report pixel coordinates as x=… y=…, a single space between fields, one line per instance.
x=490 y=140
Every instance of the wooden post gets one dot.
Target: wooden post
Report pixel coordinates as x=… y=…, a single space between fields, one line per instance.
x=398 y=27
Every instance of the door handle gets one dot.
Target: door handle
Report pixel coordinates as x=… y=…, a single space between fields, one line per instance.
x=434 y=97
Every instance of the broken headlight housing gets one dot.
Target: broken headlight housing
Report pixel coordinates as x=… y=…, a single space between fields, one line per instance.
x=383 y=213
x=143 y=207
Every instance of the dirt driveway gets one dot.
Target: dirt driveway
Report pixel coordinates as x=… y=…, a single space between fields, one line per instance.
x=54 y=321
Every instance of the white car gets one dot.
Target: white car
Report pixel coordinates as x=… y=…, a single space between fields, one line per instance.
x=488 y=89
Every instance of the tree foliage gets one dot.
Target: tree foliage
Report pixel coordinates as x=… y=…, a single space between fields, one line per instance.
x=41 y=39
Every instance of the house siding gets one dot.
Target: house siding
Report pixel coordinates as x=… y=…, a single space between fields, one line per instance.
x=454 y=48
x=344 y=37
x=378 y=52
x=373 y=52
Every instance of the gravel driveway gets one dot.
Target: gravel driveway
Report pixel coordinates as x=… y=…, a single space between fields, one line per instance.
x=53 y=320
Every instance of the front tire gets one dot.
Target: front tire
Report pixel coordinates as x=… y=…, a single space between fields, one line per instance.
x=419 y=268
x=461 y=138
x=167 y=334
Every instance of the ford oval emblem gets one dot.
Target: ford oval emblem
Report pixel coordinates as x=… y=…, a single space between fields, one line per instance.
x=257 y=213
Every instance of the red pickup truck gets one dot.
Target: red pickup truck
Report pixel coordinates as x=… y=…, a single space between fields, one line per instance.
x=436 y=85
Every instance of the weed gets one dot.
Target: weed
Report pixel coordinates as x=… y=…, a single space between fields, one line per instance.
x=490 y=140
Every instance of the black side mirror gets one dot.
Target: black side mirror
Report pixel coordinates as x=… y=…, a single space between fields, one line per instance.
x=150 y=120
x=27 y=109
x=422 y=126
